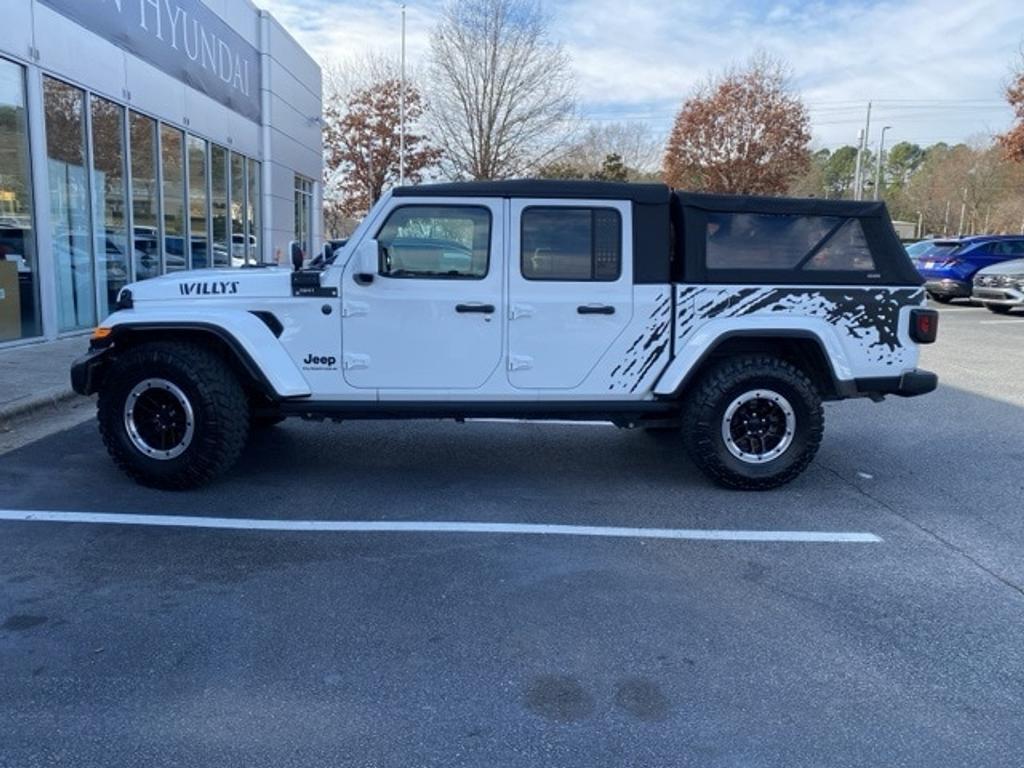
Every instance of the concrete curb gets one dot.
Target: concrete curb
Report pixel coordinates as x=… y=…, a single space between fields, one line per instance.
x=51 y=398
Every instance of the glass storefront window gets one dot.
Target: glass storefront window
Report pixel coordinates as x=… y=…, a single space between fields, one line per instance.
x=254 y=213
x=19 y=287
x=198 y=203
x=110 y=231
x=145 y=196
x=69 y=204
x=219 y=207
x=172 y=157
x=303 y=213
x=239 y=236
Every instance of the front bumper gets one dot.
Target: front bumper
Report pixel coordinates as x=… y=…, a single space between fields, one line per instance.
x=88 y=370
x=1005 y=296
x=910 y=384
x=948 y=287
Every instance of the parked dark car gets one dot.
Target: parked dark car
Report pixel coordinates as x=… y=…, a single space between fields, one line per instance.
x=948 y=266
x=1001 y=287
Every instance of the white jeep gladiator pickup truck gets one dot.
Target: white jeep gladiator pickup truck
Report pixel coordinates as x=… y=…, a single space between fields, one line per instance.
x=729 y=319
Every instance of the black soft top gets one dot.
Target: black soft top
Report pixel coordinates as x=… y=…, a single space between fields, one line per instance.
x=670 y=226
x=644 y=194
x=810 y=206
x=690 y=212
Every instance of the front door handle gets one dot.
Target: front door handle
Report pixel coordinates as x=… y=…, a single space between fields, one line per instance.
x=595 y=309
x=485 y=309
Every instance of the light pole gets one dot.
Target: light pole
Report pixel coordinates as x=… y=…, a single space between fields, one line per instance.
x=858 y=183
x=878 y=163
x=401 y=110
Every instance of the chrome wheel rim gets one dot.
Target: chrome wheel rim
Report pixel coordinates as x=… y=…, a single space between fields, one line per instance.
x=159 y=419
x=758 y=426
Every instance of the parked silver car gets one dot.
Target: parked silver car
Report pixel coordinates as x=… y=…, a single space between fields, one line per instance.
x=1000 y=287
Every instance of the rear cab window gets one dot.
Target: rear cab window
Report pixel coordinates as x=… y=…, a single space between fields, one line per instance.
x=775 y=242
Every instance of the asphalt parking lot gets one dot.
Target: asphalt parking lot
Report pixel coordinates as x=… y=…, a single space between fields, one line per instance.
x=144 y=645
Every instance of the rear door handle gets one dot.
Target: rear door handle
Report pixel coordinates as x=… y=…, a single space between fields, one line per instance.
x=595 y=309
x=485 y=309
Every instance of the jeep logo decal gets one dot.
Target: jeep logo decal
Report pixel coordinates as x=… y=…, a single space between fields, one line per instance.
x=218 y=288
x=316 y=361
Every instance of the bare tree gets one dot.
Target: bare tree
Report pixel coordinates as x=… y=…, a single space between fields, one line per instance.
x=501 y=91
x=743 y=132
x=637 y=146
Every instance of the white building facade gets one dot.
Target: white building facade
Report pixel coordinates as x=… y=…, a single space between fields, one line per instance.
x=141 y=137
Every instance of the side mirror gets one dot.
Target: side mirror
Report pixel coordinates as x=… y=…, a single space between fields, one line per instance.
x=366 y=262
x=297 y=256
x=328 y=251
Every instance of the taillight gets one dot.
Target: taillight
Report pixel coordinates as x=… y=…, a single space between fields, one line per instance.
x=924 y=325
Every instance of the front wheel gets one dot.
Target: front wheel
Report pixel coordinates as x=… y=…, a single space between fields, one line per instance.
x=999 y=309
x=173 y=414
x=753 y=422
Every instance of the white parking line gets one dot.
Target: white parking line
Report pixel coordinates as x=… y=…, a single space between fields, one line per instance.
x=1008 y=321
x=389 y=526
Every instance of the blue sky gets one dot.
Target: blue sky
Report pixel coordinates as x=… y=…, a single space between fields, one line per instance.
x=935 y=69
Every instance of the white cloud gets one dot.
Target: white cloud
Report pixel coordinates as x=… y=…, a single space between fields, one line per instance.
x=935 y=68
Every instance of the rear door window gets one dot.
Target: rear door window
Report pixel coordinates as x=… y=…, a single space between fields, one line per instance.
x=571 y=244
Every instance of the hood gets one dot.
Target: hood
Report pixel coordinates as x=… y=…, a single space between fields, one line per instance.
x=1012 y=267
x=199 y=284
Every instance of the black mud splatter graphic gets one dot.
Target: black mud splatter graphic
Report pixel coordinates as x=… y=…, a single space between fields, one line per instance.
x=648 y=347
x=868 y=315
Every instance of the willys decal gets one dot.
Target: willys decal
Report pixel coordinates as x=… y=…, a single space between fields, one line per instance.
x=209 y=288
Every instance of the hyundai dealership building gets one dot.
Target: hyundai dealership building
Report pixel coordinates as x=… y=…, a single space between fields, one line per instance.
x=140 y=137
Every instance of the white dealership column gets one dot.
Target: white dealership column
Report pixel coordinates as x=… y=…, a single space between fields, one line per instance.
x=45 y=268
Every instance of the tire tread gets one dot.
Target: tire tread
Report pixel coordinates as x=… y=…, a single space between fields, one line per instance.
x=700 y=428
x=224 y=406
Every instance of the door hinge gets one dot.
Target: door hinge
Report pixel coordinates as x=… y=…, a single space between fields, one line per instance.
x=354 y=309
x=519 y=362
x=352 y=362
x=517 y=311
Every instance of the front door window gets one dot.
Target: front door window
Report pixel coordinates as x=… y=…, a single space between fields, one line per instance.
x=431 y=318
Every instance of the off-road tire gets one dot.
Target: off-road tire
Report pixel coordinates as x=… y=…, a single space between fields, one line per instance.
x=706 y=405
x=220 y=406
x=999 y=309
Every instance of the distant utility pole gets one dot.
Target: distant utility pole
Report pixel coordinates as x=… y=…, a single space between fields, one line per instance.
x=945 y=221
x=856 y=168
x=858 y=184
x=878 y=164
x=401 y=111
x=920 y=225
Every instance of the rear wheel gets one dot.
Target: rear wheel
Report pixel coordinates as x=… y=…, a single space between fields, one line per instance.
x=173 y=415
x=941 y=299
x=999 y=309
x=753 y=422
